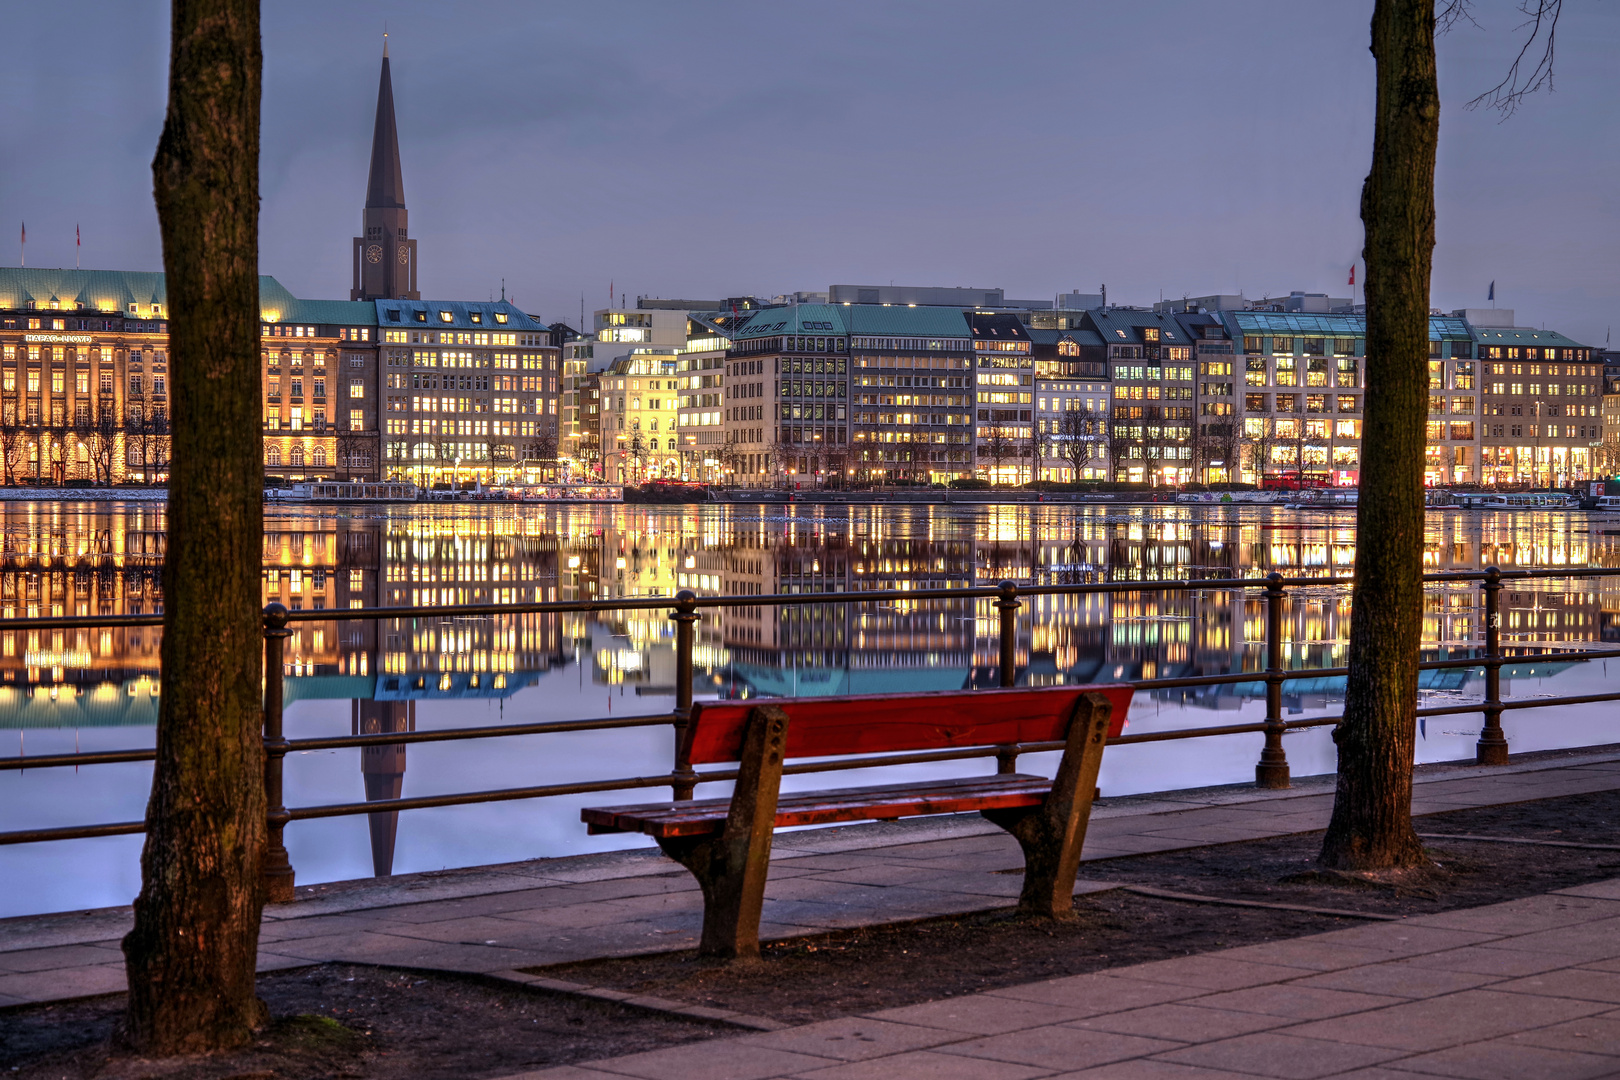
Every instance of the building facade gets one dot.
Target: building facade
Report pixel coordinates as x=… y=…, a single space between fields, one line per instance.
x=1543 y=401
x=468 y=392
x=789 y=388
x=1151 y=363
x=640 y=433
x=1071 y=404
x=911 y=395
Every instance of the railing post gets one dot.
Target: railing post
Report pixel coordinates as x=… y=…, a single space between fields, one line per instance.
x=277 y=871
x=1008 y=605
x=685 y=618
x=1492 y=748
x=1272 y=770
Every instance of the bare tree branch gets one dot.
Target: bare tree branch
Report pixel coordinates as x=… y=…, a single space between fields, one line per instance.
x=1516 y=85
x=1450 y=13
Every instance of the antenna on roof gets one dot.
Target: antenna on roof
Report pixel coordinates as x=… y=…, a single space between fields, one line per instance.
x=385 y=39
x=503 y=290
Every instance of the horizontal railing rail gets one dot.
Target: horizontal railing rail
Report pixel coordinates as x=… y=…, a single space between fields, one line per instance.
x=1272 y=769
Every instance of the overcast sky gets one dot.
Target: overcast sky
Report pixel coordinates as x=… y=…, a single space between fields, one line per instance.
x=709 y=149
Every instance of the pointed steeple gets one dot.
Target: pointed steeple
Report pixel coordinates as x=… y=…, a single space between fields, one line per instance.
x=385 y=256
x=386 y=188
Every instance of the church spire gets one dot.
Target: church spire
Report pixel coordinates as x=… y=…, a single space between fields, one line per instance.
x=387 y=185
x=385 y=257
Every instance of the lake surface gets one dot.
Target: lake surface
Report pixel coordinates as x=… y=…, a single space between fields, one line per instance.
x=97 y=690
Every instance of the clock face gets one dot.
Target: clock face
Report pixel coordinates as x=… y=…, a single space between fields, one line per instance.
x=374 y=253
x=404 y=254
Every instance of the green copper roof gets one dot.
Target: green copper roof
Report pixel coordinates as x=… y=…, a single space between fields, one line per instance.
x=1522 y=335
x=113 y=291
x=795 y=319
x=895 y=320
x=98 y=290
x=452 y=314
x=341 y=312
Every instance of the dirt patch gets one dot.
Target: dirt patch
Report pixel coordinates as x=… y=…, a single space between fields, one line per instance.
x=1468 y=873
x=342 y=1020
x=882 y=967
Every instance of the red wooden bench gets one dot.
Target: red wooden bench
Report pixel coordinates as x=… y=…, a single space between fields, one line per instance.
x=726 y=843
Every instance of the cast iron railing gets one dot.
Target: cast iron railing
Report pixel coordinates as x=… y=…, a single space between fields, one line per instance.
x=1271 y=771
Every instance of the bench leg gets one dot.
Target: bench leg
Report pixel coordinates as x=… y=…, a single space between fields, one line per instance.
x=1053 y=833
x=731 y=867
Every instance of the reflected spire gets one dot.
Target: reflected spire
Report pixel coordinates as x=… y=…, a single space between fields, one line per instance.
x=383 y=769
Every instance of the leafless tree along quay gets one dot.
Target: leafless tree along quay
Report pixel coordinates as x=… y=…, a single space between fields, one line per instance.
x=1371 y=828
x=191 y=956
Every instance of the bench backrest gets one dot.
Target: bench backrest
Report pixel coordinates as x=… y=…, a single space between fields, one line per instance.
x=886 y=723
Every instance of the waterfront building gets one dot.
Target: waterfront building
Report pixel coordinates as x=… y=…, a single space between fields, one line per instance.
x=911 y=394
x=469 y=392
x=1151 y=365
x=706 y=455
x=1217 y=436
x=1543 y=407
x=788 y=388
x=615 y=332
x=85 y=385
x=579 y=426
x=385 y=256
x=1004 y=391
x=640 y=432
x=1302 y=392
x=1606 y=460
x=1289 y=437
x=1071 y=404
x=319 y=372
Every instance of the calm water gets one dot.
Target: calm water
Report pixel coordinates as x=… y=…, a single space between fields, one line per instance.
x=97 y=690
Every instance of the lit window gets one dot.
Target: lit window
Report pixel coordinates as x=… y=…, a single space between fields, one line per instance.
x=445 y=316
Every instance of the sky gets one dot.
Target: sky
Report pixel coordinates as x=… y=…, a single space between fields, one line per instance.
x=711 y=149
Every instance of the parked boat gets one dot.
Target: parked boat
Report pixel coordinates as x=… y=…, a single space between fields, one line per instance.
x=335 y=491
x=1517 y=500
x=550 y=493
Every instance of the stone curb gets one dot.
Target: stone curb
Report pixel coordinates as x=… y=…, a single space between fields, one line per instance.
x=639 y=1001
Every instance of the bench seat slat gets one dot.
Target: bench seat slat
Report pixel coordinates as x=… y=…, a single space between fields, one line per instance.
x=886 y=723
x=885 y=802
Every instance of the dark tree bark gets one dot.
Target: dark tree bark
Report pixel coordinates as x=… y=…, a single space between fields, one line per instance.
x=190 y=957
x=1371 y=827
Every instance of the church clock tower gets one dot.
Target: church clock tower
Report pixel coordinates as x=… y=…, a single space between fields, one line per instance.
x=385 y=257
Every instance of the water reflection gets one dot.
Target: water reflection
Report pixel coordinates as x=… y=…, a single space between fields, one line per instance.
x=98 y=689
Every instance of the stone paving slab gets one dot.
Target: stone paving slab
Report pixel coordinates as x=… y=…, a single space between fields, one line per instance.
x=1388 y=1001
x=561 y=910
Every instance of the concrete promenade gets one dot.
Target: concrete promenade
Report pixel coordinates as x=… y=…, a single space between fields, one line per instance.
x=1514 y=991
x=1463 y=991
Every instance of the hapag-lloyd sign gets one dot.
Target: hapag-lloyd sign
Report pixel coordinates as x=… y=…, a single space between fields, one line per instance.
x=58 y=339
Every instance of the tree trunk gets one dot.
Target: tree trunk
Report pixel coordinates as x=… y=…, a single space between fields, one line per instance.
x=191 y=955
x=1371 y=826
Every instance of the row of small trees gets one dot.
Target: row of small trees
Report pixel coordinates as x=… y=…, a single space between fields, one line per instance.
x=53 y=447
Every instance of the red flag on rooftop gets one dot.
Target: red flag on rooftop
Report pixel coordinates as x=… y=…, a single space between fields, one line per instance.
x=1352 y=273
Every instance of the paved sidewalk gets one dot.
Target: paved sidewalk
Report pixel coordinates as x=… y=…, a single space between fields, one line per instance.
x=1529 y=988
x=558 y=910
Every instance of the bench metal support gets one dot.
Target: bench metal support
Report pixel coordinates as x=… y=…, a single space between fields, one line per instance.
x=731 y=866
x=1052 y=834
